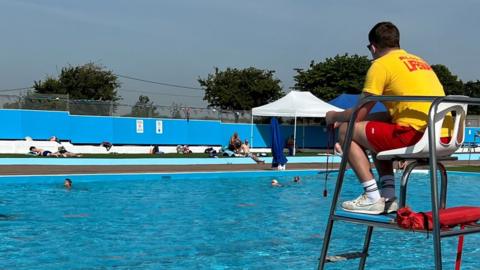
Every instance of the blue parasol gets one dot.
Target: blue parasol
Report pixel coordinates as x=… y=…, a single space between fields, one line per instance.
x=277 y=144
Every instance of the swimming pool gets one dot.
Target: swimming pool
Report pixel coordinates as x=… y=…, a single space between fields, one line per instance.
x=204 y=221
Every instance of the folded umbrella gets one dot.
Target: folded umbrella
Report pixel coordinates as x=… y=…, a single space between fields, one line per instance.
x=277 y=144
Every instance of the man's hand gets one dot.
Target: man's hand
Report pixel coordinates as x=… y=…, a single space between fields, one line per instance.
x=330 y=117
x=333 y=118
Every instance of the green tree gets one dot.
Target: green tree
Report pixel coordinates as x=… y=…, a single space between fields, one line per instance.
x=88 y=81
x=49 y=86
x=454 y=86
x=91 y=89
x=337 y=75
x=451 y=84
x=240 y=89
x=144 y=108
x=472 y=89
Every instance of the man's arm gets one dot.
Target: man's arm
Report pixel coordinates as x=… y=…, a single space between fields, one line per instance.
x=333 y=117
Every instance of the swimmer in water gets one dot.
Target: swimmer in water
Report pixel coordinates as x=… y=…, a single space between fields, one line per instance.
x=275 y=183
x=67 y=183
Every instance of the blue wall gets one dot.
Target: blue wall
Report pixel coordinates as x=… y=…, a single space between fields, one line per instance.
x=470 y=133
x=41 y=125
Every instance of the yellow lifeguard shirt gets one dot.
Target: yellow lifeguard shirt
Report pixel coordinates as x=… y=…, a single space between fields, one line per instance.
x=399 y=73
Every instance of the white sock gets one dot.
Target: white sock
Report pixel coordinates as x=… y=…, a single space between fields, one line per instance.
x=371 y=190
x=387 y=182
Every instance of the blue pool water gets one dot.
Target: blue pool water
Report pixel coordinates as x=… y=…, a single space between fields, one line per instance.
x=234 y=221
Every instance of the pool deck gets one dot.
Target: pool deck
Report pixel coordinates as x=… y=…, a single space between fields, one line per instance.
x=103 y=169
x=112 y=169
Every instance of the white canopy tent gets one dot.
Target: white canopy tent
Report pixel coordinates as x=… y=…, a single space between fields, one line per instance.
x=294 y=104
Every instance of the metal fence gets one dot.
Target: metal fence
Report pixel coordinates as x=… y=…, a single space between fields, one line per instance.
x=109 y=108
x=50 y=102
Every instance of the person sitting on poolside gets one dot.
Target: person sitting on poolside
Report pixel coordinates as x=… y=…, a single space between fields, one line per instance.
x=67 y=183
x=290 y=145
x=245 y=150
x=235 y=143
x=41 y=152
x=156 y=150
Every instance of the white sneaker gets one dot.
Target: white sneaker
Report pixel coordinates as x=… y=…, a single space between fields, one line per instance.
x=363 y=205
x=391 y=205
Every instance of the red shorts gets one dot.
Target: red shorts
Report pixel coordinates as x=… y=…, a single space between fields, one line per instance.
x=384 y=136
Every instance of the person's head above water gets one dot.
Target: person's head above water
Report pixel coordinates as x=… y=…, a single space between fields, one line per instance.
x=275 y=183
x=67 y=183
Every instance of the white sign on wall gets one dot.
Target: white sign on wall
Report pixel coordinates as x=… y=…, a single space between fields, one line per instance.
x=159 y=127
x=139 y=126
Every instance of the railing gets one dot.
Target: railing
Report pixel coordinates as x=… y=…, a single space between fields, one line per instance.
x=50 y=102
x=111 y=108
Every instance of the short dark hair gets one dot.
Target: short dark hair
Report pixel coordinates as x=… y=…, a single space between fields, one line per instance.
x=385 y=35
x=32 y=148
x=68 y=180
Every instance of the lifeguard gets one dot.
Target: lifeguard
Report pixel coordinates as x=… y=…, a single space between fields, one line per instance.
x=394 y=72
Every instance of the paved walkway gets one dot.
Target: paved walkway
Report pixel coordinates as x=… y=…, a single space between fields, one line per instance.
x=102 y=169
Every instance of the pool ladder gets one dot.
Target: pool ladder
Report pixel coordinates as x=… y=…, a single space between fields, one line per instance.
x=371 y=221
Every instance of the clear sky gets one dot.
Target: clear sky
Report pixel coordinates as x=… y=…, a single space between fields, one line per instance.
x=177 y=41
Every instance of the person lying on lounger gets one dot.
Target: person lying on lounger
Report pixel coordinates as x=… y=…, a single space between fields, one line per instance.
x=64 y=153
x=43 y=153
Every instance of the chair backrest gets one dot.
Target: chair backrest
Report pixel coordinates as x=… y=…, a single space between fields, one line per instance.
x=421 y=148
x=458 y=133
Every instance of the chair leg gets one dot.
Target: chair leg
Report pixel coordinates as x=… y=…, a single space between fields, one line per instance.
x=326 y=244
x=403 y=184
x=406 y=175
x=444 y=184
x=366 y=246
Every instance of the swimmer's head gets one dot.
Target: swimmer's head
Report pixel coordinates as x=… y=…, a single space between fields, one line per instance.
x=296 y=179
x=67 y=183
x=275 y=183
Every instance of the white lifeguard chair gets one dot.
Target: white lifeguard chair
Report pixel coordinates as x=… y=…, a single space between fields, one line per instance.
x=418 y=154
x=430 y=150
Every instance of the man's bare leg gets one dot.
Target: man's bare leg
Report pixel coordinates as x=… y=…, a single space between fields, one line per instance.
x=384 y=167
x=357 y=158
x=371 y=202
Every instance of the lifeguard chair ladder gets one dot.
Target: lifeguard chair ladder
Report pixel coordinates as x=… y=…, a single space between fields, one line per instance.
x=430 y=153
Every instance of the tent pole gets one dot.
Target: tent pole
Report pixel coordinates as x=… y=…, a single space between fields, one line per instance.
x=295 y=136
x=251 y=133
x=303 y=133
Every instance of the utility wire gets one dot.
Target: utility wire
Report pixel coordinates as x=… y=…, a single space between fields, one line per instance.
x=160 y=83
